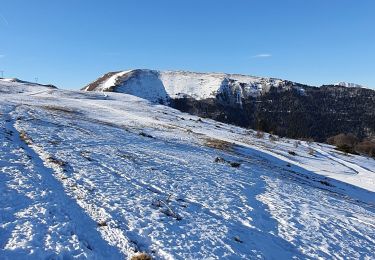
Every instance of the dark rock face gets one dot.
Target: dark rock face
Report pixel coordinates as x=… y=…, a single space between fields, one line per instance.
x=303 y=112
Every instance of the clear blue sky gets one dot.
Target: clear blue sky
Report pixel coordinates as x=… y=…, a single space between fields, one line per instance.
x=72 y=42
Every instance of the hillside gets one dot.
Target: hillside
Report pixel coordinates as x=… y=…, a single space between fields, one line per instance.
x=166 y=85
x=105 y=175
x=279 y=106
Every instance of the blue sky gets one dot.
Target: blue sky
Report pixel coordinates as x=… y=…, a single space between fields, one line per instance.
x=72 y=42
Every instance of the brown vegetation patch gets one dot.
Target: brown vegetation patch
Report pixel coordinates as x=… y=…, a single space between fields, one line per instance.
x=56 y=161
x=366 y=147
x=141 y=256
x=219 y=144
x=273 y=138
x=259 y=134
x=24 y=137
x=349 y=143
x=102 y=224
x=60 y=109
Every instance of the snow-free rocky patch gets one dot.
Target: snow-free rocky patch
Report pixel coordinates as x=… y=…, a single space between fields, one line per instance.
x=87 y=175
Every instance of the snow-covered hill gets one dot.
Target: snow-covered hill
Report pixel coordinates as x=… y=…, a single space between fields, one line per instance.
x=104 y=175
x=163 y=85
x=349 y=85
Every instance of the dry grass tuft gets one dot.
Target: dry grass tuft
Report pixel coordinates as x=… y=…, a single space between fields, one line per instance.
x=141 y=256
x=60 y=109
x=24 y=137
x=273 y=138
x=311 y=151
x=56 y=161
x=259 y=134
x=102 y=224
x=219 y=144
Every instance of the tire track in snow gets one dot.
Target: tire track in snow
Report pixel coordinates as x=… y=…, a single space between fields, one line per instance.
x=61 y=206
x=354 y=167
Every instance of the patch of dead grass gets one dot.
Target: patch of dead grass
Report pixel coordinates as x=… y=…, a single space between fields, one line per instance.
x=60 y=109
x=25 y=138
x=218 y=144
x=141 y=256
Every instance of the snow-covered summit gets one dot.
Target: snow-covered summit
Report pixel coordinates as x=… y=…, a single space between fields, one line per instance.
x=162 y=85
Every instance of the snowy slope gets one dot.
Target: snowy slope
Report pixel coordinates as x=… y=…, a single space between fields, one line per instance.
x=102 y=176
x=162 y=85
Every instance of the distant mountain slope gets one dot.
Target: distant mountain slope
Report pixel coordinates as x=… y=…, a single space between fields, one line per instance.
x=92 y=175
x=349 y=85
x=163 y=86
x=9 y=84
x=280 y=106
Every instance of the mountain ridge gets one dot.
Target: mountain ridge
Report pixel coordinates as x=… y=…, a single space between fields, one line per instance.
x=273 y=105
x=198 y=85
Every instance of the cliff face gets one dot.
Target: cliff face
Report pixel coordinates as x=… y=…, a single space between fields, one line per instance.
x=279 y=106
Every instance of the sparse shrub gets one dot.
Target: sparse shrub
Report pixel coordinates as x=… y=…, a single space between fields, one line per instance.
x=349 y=140
x=56 y=161
x=141 y=256
x=235 y=164
x=166 y=209
x=259 y=134
x=311 y=151
x=24 y=137
x=344 y=142
x=349 y=143
x=102 y=224
x=232 y=164
x=273 y=138
x=219 y=160
x=219 y=144
x=296 y=144
x=346 y=149
x=309 y=140
x=366 y=147
x=331 y=140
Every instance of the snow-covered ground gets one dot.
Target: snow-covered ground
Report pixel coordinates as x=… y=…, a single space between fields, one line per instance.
x=102 y=176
